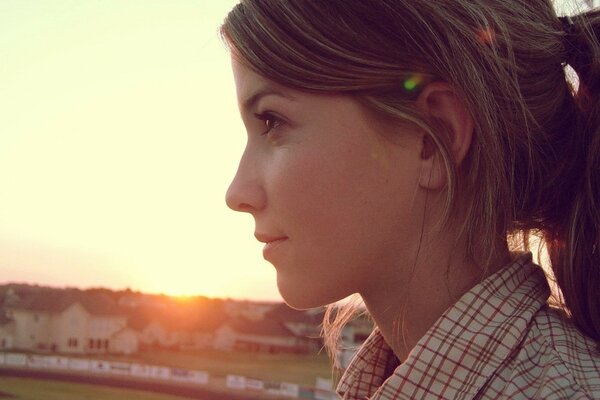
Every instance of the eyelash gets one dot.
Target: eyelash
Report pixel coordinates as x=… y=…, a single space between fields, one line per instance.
x=270 y=120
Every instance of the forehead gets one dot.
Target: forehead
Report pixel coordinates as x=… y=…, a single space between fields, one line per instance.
x=251 y=86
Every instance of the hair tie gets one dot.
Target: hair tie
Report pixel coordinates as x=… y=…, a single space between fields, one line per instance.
x=567 y=24
x=568 y=27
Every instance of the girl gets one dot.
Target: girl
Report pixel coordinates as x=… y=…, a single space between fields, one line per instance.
x=407 y=150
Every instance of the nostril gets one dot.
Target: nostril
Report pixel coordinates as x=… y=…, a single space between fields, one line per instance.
x=245 y=195
x=244 y=207
x=236 y=204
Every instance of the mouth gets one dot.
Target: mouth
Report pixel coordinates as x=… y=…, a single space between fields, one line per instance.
x=271 y=243
x=268 y=239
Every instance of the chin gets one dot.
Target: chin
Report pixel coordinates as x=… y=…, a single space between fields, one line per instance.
x=304 y=296
x=300 y=304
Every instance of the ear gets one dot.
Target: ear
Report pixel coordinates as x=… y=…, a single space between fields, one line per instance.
x=453 y=125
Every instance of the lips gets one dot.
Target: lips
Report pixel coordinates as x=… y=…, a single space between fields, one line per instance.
x=271 y=243
x=263 y=238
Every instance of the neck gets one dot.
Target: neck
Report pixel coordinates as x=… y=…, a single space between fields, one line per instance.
x=405 y=310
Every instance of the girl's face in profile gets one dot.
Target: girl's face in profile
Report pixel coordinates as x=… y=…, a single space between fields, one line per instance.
x=334 y=201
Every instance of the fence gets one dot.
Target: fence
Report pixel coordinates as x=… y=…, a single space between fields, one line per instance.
x=124 y=370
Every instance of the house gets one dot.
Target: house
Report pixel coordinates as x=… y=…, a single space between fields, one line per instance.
x=156 y=334
x=305 y=324
x=268 y=336
x=69 y=321
x=7 y=332
x=178 y=325
x=125 y=341
x=160 y=333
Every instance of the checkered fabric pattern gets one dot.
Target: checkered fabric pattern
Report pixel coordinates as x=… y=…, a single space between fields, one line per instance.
x=499 y=341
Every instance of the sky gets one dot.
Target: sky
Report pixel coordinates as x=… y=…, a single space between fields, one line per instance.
x=119 y=134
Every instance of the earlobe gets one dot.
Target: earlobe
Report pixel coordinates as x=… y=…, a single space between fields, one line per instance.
x=453 y=128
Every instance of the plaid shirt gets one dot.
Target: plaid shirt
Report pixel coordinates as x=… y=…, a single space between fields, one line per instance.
x=499 y=341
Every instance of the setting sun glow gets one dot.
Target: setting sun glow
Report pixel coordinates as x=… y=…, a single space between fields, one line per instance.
x=119 y=134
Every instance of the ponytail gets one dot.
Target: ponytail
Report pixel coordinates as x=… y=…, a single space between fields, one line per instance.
x=574 y=245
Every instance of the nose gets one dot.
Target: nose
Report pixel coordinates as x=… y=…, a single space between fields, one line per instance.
x=246 y=193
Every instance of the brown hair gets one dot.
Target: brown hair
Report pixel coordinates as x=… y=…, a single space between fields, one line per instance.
x=534 y=164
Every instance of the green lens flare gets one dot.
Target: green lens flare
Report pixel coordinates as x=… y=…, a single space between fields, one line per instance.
x=411 y=84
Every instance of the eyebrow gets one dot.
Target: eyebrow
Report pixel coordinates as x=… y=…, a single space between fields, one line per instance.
x=251 y=101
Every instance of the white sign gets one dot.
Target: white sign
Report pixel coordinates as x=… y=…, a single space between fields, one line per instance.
x=78 y=364
x=289 y=390
x=17 y=360
x=120 y=368
x=273 y=388
x=99 y=366
x=180 y=375
x=160 y=372
x=36 y=361
x=235 y=382
x=255 y=384
x=57 y=362
x=186 y=375
x=199 y=377
x=140 y=370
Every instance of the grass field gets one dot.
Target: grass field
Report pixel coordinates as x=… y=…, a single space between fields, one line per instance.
x=301 y=369
x=37 y=389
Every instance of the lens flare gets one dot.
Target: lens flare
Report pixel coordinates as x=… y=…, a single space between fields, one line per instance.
x=413 y=82
x=486 y=35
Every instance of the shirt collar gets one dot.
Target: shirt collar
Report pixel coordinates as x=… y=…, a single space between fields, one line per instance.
x=462 y=349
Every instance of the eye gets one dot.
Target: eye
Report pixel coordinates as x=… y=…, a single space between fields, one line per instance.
x=270 y=120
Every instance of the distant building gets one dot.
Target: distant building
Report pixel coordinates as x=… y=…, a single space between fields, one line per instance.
x=157 y=334
x=99 y=321
x=178 y=326
x=125 y=341
x=7 y=332
x=306 y=325
x=69 y=321
x=265 y=336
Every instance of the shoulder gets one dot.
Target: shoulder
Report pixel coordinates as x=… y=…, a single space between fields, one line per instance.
x=577 y=351
x=557 y=360
x=560 y=334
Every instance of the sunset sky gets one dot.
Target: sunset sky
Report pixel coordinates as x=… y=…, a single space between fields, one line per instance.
x=119 y=134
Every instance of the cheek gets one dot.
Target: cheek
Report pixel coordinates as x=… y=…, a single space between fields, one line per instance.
x=316 y=185
x=332 y=194
x=295 y=194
